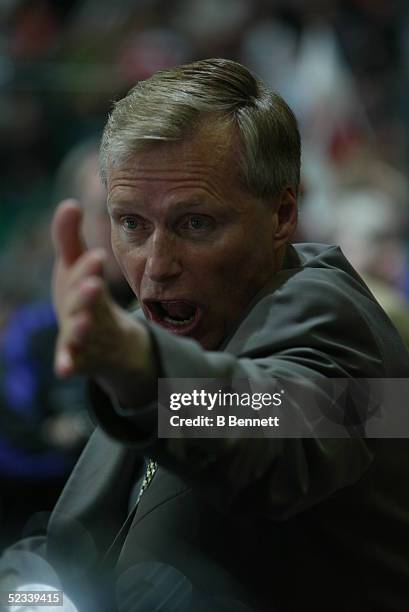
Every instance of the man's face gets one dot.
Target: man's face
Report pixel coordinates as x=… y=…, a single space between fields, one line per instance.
x=194 y=245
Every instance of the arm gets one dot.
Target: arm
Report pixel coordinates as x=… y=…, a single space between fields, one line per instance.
x=125 y=357
x=278 y=476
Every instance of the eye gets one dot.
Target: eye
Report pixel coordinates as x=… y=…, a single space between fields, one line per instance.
x=197 y=223
x=131 y=223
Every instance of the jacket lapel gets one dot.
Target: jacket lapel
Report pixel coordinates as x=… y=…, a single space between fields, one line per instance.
x=94 y=503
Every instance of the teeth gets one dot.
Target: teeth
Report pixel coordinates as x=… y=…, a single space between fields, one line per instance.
x=178 y=323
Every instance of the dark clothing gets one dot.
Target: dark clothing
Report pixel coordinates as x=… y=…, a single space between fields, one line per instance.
x=264 y=524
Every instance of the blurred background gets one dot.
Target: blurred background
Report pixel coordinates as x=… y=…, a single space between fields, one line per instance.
x=341 y=64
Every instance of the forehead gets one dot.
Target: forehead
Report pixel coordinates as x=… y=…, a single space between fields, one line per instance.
x=206 y=161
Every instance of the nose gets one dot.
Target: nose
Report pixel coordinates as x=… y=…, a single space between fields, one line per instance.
x=162 y=260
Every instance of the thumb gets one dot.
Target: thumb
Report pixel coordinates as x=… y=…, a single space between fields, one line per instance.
x=66 y=231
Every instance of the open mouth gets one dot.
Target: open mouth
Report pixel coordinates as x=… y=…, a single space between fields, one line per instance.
x=179 y=316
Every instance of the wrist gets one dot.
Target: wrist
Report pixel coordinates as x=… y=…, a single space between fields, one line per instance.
x=133 y=381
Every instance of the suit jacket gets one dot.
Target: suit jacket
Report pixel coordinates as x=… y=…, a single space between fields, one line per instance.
x=283 y=524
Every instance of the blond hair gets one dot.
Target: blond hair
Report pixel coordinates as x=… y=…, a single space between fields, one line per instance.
x=170 y=105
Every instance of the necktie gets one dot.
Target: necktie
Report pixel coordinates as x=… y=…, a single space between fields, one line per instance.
x=149 y=474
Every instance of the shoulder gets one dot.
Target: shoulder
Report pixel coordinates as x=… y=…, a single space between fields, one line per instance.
x=319 y=303
x=323 y=281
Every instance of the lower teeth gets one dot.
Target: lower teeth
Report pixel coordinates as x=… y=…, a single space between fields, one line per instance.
x=179 y=323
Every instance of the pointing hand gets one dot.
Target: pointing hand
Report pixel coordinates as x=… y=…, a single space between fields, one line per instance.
x=96 y=337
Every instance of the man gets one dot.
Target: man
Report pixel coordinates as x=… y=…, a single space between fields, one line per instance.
x=202 y=169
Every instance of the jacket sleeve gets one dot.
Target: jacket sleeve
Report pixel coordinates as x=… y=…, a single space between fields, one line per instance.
x=306 y=339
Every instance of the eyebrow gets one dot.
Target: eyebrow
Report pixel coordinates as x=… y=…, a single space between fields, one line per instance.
x=127 y=205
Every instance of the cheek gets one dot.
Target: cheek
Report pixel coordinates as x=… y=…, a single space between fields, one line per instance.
x=131 y=265
x=133 y=269
x=116 y=249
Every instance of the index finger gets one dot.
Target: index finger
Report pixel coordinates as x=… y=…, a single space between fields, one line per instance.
x=66 y=231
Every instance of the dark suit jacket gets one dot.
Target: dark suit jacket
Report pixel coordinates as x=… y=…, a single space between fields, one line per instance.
x=284 y=524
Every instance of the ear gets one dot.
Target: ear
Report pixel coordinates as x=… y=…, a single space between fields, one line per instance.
x=286 y=217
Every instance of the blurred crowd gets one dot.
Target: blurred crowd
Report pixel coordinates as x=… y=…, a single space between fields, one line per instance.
x=341 y=64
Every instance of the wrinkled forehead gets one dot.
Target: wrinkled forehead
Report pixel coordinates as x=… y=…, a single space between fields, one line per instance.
x=211 y=136
x=200 y=170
